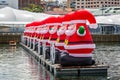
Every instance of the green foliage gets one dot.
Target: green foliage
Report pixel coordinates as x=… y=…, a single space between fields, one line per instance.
x=34 y=8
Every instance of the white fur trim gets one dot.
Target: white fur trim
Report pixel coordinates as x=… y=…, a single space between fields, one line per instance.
x=44 y=31
x=53 y=30
x=44 y=40
x=80 y=46
x=59 y=44
x=49 y=41
x=78 y=21
x=70 y=32
x=49 y=24
x=94 y=26
x=60 y=32
x=67 y=22
x=81 y=34
x=82 y=55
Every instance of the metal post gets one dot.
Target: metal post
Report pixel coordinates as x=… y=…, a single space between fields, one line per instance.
x=39 y=46
x=52 y=53
x=34 y=43
x=30 y=42
x=44 y=49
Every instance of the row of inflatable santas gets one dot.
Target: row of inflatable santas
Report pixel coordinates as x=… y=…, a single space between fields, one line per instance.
x=64 y=40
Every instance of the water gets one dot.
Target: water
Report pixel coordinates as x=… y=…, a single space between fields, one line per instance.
x=109 y=53
x=17 y=64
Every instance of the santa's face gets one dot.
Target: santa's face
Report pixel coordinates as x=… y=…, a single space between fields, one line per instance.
x=38 y=30
x=53 y=29
x=71 y=30
x=45 y=29
x=62 y=30
x=32 y=30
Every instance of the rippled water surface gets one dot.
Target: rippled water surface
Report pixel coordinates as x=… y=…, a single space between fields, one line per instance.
x=16 y=64
x=109 y=53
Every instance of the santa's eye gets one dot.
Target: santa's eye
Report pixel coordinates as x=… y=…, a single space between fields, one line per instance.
x=81 y=31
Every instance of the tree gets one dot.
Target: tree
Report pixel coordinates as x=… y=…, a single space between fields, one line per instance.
x=34 y=8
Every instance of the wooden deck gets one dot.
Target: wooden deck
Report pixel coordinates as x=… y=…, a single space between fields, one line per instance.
x=58 y=70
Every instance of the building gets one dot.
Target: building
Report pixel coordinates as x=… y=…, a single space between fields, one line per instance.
x=95 y=3
x=63 y=4
x=71 y=4
x=50 y=5
x=3 y=3
x=24 y=3
x=68 y=3
x=9 y=3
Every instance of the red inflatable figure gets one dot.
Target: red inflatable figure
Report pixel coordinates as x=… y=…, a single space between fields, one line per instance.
x=78 y=42
x=24 y=40
x=61 y=32
x=52 y=39
x=45 y=31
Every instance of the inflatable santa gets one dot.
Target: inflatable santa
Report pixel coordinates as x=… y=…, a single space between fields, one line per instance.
x=25 y=34
x=29 y=33
x=52 y=39
x=65 y=20
x=45 y=36
x=33 y=35
x=39 y=35
x=78 y=42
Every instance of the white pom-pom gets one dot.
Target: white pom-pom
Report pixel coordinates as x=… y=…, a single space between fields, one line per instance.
x=94 y=26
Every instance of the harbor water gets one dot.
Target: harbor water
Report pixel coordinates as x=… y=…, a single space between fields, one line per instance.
x=17 y=64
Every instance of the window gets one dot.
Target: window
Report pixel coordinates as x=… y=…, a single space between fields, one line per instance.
x=109 y=29
x=78 y=6
x=82 y=3
x=82 y=6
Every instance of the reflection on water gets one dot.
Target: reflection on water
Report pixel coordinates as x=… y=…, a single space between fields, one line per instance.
x=16 y=64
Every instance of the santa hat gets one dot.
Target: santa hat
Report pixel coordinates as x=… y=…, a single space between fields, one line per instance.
x=81 y=16
x=66 y=21
x=48 y=22
x=60 y=20
x=54 y=22
x=53 y=31
x=67 y=18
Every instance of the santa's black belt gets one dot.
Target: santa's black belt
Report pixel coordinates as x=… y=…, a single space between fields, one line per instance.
x=53 y=39
x=46 y=38
x=62 y=41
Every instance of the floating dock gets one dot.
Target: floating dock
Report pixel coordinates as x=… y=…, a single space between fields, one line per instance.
x=58 y=70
